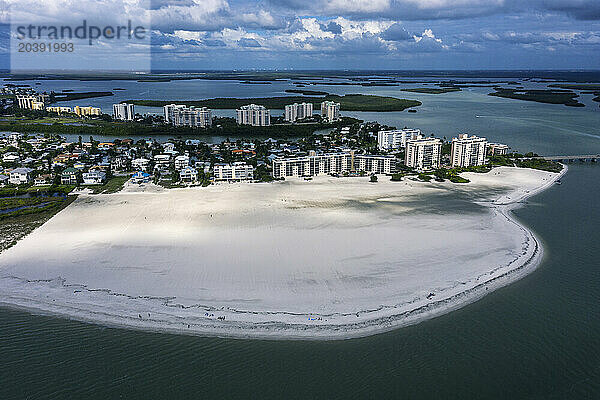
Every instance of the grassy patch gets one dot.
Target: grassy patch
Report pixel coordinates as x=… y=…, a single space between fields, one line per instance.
x=15 y=226
x=113 y=185
x=20 y=190
x=8 y=203
x=540 y=163
x=458 y=179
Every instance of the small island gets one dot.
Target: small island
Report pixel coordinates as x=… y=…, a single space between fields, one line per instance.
x=566 y=97
x=427 y=90
x=349 y=102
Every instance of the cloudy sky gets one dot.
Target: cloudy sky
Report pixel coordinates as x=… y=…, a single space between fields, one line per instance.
x=348 y=34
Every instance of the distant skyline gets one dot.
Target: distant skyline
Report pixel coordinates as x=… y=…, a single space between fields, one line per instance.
x=341 y=34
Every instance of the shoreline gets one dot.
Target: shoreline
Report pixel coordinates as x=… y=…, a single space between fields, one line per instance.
x=389 y=318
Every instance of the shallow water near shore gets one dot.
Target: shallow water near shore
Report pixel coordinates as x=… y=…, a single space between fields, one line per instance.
x=536 y=338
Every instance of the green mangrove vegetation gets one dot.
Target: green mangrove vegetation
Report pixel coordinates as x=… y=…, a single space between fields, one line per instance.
x=349 y=102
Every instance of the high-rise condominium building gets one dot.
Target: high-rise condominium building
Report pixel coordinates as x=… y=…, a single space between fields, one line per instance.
x=332 y=163
x=181 y=115
x=297 y=111
x=330 y=110
x=497 y=149
x=123 y=111
x=33 y=102
x=423 y=154
x=468 y=151
x=254 y=115
x=393 y=140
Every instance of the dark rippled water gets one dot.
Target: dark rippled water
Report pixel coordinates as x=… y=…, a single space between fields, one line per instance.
x=538 y=338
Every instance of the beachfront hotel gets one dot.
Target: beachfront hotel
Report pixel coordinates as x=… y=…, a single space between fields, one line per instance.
x=297 y=111
x=468 y=151
x=395 y=139
x=237 y=171
x=423 y=154
x=332 y=163
x=330 y=111
x=254 y=115
x=182 y=115
x=123 y=111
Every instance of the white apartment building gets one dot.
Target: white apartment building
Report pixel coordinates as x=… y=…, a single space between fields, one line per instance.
x=33 y=102
x=423 y=154
x=332 y=163
x=497 y=149
x=375 y=164
x=297 y=111
x=468 y=151
x=254 y=115
x=393 y=140
x=330 y=110
x=123 y=111
x=238 y=171
x=181 y=115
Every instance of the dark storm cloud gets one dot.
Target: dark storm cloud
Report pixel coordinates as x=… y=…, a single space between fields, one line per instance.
x=578 y=9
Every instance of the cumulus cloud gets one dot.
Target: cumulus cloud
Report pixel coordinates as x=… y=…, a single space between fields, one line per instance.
x=397 y=9
x=396 y=32
x=385 y=28
x=332 y=27
x=427 y=42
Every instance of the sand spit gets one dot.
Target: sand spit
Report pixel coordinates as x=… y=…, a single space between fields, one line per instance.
x=327 y=259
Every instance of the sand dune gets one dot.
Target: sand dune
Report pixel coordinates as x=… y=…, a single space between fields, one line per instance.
x=329 y=258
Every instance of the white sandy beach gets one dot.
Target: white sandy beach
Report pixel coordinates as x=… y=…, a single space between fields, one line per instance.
x=324 y=259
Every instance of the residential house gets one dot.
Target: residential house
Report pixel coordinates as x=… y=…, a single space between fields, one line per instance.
x=20 y=176
x=10 y=158
x=140 y=177
x=188 y=174
x=94 y=178
x=181 y=162
x=162 y=161
x=42 y=180
x=140 y=164
x=70 y=176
